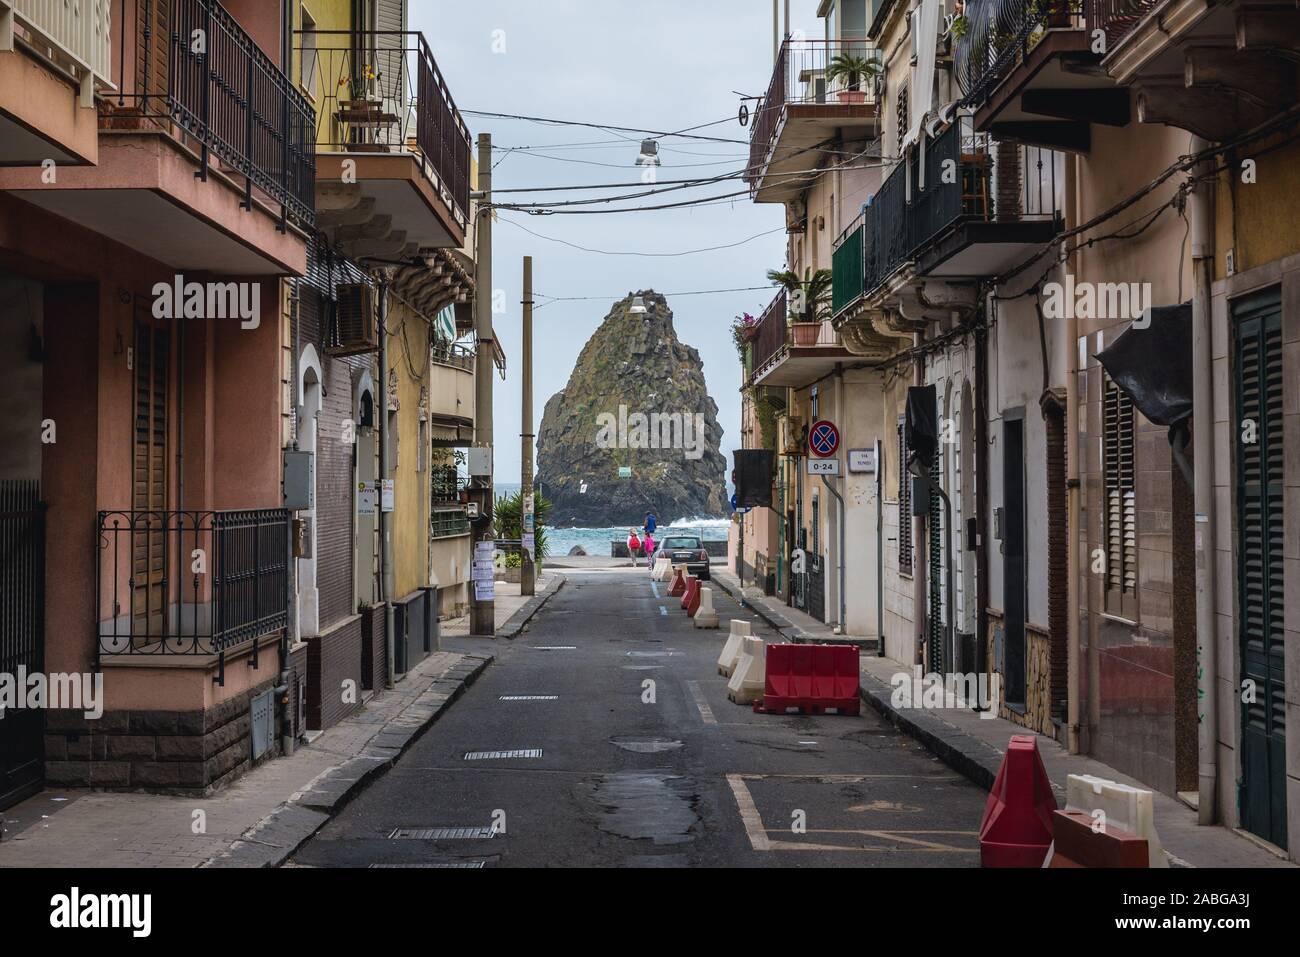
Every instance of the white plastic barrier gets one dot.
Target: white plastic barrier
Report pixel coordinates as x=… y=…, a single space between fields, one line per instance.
x=740 y=630
x=1130 y=808
x=663 y=570
x=747 y=681
x=705 y=615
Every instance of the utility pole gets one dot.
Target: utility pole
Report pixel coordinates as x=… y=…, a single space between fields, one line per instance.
x=482 y=620
x=527 y=531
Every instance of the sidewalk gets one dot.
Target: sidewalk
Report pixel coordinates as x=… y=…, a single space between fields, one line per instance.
x=973 y=746
x=513 y=610
x=262 y=817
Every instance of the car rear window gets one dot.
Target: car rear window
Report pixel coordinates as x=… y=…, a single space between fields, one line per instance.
x=681 y=543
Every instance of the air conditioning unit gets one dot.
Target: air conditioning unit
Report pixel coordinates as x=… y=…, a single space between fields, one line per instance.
x=354 y=321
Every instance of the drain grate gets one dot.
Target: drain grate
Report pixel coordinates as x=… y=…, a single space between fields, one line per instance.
x=441 y=833
x=530 y=697
x=468 y=865
x=498 y=755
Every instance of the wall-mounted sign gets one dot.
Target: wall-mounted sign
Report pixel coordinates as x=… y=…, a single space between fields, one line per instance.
x=862 y=460
x=823 y=439
x=367 y=498
x=823 y=466
x=386 y=499
x=624 y=471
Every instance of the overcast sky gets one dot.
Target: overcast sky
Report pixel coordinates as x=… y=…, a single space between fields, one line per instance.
x=661 y=65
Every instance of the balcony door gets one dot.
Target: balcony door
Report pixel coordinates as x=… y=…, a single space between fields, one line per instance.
x=149 y=475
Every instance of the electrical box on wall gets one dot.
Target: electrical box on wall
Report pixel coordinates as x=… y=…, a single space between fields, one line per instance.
x=480 y=462
x=299 y=480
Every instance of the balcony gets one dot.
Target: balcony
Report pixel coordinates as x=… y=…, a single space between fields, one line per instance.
x=1029 y=69
x=1218 y=69
x=451 y=393
x=805 y=105
x=54 y=58
x=393 y=151
x=205 y=158
x=980 y=208
x=190 y=583
x=786 y=355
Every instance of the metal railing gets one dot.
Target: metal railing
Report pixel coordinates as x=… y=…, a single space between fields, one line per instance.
x=190 y=582
x=1000 y=33
x=447 y=523
x=770 y=334
x=226 y=96
x=455 y=354
x=961 y=184
x=804 y=75
x=847 y=262
x=70 y=34
x=446 y=483
x=382 y=92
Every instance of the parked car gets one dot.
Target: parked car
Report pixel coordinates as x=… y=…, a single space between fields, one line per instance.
x=686 y=550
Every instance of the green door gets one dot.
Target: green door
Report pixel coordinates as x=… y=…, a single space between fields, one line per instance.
x=1260 y=592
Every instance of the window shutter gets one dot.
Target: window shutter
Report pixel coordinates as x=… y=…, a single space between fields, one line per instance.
x=1120 y=515
x=904 y=506
x=1260 y=586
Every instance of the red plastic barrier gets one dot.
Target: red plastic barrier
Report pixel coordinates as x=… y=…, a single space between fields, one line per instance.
x=691 y=593
x=1080 y=842
x=813 y=678
x=1016 y=830
x=678 y=587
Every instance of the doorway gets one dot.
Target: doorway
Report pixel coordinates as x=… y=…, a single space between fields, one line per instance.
x=367 y=507
x=1014 y=584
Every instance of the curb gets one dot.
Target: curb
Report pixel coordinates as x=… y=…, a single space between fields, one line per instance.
x=970 y=757
x=773 y=620
x=277 y=837
x=520 y=618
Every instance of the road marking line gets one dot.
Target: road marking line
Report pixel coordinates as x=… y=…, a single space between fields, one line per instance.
x=758 y=839
x=663 y=611
x=705 y=711
x=654 y=588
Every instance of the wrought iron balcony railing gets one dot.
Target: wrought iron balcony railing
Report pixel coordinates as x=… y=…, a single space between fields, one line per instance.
x=190 y=582
x=1000 y=33
x=770 y=333
x=807 y=72
x=382 y=92
x=199 y=75
x=455 y=354
x=960 y=185
x=446 y=483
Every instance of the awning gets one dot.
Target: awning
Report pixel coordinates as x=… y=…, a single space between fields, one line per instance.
x=1153 y=364
x=444 y=324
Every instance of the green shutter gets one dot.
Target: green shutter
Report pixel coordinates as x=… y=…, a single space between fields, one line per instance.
x=938 y=649
x=904 y=505
x=1259 y=378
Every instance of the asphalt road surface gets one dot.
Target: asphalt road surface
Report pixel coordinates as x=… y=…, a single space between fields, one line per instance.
x=602 y=736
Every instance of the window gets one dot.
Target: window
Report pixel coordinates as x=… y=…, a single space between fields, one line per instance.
x=904 y=505
x=1119 y=508
x=816 y=526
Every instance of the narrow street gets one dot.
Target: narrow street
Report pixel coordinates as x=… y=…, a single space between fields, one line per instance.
x=685 y=779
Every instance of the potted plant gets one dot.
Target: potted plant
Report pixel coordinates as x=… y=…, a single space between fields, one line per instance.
x=852 y=69
x=743 y=328
x=810 y=302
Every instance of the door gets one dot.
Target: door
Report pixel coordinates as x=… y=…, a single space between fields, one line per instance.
x=22 y=632
x=1013 y=555
x=367 y=516
x=1260 y=591
x=149 y=481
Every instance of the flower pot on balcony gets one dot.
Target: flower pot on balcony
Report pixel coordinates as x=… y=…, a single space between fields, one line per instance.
x=805 y=333
x=851 y=96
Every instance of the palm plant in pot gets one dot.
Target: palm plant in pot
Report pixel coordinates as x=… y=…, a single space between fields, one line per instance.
x=852 y=69
x=809 y=300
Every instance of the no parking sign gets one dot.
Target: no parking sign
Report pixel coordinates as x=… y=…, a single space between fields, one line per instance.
x=823 y=439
